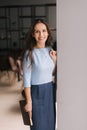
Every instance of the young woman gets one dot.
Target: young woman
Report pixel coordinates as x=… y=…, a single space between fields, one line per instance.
x=38 y=66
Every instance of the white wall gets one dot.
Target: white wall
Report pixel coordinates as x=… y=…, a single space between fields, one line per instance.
x=72 y=64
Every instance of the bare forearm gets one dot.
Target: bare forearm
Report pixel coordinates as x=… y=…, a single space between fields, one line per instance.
x=28 y=94
x=28 y=106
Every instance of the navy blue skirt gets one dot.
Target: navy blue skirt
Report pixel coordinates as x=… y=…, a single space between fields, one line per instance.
x=43 y=107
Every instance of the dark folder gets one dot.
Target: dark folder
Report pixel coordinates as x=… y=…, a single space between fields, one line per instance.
x=25 y=115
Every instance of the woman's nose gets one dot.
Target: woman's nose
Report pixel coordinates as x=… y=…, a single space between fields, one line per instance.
x=41 y=33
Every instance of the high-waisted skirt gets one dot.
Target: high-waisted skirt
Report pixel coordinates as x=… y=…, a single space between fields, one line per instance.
x=43 y=107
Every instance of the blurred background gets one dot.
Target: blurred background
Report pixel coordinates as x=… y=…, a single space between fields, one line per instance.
x=15 y=18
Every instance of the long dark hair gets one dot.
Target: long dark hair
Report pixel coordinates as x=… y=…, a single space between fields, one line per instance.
x=30 y=40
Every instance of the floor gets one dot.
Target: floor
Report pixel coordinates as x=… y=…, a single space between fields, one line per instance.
x=10 y=94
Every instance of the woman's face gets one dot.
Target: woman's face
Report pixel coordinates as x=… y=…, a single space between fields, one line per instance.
x=40 y=33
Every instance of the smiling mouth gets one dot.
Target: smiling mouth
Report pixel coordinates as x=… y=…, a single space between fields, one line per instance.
x=41 y=38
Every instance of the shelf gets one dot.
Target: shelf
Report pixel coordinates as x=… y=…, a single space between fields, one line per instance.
x=25 y=16
x=31 y=16
x=14 y=30
x=5 y=38
x=3 y=28
x=53 y=29
x=16 y=20
x=3 y=17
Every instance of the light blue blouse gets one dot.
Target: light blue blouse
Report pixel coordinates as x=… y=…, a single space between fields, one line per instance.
x=40 y=71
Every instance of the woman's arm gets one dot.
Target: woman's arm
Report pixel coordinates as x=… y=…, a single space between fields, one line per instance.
x=27 y=83
x=28 y=106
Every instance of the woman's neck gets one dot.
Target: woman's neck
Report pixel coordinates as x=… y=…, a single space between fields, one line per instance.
x=40 y=46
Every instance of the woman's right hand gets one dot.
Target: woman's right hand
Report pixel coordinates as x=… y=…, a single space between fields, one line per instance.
x=28 y=108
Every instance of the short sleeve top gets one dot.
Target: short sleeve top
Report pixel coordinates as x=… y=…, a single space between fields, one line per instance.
x=40 y=71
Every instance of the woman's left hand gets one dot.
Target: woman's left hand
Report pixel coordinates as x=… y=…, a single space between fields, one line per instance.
x=53 y=55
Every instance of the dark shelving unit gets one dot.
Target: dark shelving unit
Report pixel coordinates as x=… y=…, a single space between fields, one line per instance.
x=15 y=22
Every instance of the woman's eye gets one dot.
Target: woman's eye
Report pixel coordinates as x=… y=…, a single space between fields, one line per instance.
x=36 y=31
x=44 y=30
